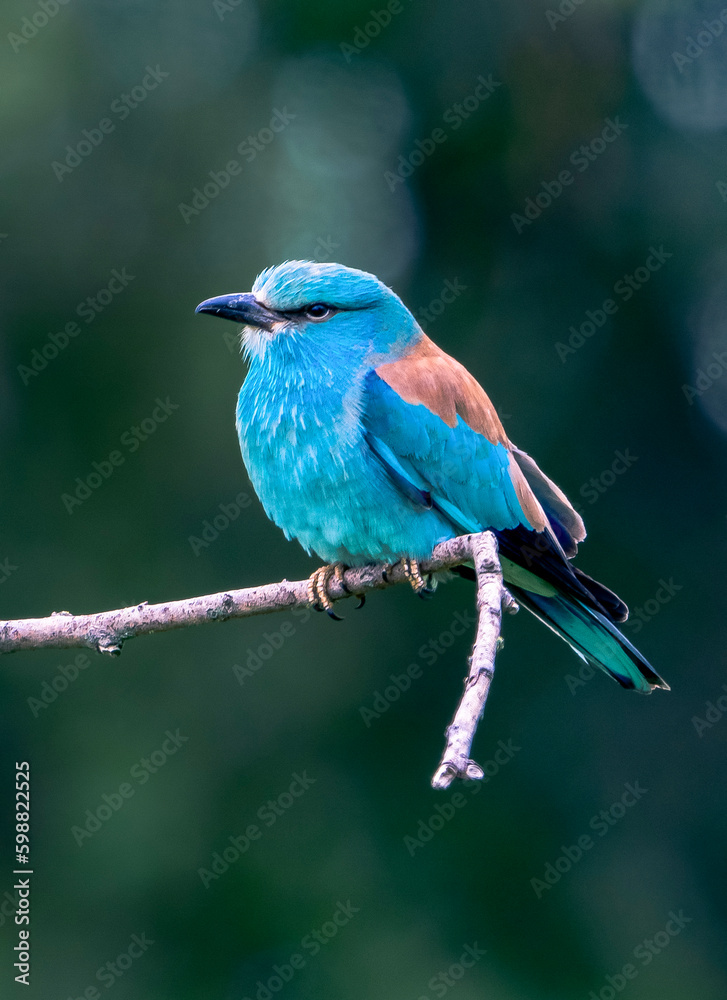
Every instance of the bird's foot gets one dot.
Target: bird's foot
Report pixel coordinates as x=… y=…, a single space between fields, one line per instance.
x=318 y=588
x=421 y=587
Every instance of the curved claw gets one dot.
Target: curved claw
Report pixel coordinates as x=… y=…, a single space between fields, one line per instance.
x=361 y=602
x=421 y=587
x=318 y=588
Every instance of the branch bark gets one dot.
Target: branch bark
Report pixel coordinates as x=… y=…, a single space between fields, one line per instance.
x=107 y=631
x=491 y=598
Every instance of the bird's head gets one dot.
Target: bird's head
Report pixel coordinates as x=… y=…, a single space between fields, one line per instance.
x=322 y=307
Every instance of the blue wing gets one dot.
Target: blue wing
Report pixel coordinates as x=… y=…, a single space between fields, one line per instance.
x=457 y=470
x=474 y=482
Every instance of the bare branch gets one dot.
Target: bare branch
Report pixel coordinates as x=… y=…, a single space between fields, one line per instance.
x=108 y=630
x=491 y=597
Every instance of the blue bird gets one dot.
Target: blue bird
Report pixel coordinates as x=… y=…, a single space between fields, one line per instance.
x=367 y=443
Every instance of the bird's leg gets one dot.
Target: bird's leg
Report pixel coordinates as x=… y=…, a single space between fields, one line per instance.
x=421 y=587
x=318 y=587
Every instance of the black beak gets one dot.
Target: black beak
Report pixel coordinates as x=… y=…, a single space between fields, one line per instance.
x=242 y=308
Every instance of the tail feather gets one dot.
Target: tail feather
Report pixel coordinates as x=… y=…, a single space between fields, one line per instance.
x=594 y=638
x=541 y=556
x=617 y=610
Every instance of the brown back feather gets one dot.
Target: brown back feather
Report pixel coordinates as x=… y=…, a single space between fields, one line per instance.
x=429 y=377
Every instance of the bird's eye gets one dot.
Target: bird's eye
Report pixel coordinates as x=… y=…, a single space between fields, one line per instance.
x=318 y=311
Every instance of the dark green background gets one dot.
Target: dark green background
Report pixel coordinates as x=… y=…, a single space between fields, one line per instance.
x=321 y=181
